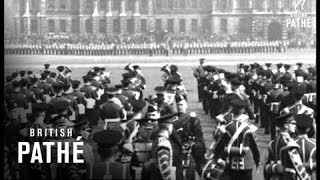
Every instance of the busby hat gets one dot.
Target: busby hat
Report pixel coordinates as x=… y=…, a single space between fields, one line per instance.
x=287 y=66
x=9 y=78
x=201 y=60
x=238 y=103
x=75 y=84
x=24 y=82
x=15 y=84
x=173 y=67
x=22 y=73
x=60 y=68
x=135 y=67
x=303 y=120
x=14 y=74
x=167 y=118
x=53 y=74
x=39 y=107
x=107 y=138
x=111 y=90
x=46 y=66
x=268 y=65
x=299 y=64
x=285 y=118
x=279 y=65
x=160 y=89
x=235 y=81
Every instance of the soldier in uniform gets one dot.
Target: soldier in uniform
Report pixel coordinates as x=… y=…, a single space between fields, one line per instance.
x=198 y=74
x=279 y=163
x=108 y=145
x=111 y=112
x=166 y=162
x=190 y=133
x=238 y=146
x=307 y=145
x=163 y=106
x=140 y=145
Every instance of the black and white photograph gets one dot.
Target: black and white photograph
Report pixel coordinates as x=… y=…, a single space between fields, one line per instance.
x=160 y=89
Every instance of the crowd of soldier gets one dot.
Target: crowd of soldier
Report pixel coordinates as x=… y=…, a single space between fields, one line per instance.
x=146 y=48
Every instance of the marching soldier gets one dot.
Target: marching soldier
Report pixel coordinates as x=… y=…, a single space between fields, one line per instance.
x=307 y=145
x=238 y=146
x=110 y=112
x=166 y=162
x=199 y=74
x=190 y=132
x=108 y=144
x=283 y=160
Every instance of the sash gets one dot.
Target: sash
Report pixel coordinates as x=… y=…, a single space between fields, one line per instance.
x=235 y=136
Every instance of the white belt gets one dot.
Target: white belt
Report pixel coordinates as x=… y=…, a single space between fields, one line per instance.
x=112 y=120
x=290 y=170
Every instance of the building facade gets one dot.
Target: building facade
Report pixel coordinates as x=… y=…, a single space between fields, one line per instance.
x=264 y=18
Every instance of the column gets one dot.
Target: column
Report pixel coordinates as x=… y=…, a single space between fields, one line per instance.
x=284 y=29
x=253 y=28
x=26 y=18
x=81 y=6
x=265 y=5
x=250 y=4
x=82 y=19
x=213 y=5
x=17 y=19
x=279 y=4
x=265 y=29
x=42 y=21
x=109 y=22
x=122 y=15
x=136 y=17
x=234 y=5
x=95 y=17
x=151 y=19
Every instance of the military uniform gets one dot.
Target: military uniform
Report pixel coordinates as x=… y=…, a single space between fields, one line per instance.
x=238 y=147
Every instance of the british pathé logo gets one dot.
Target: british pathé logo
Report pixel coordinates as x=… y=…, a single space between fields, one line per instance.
x=299 y=19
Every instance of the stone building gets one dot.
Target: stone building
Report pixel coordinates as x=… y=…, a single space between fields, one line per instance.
x=264 y=18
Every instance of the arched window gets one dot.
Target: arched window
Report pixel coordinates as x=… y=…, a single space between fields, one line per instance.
x=257 y=4
x=143 y=6
x=89 y=4
x=130 y=5
x=51 y=4
x=116 y=4
x=102 y=24
x=273 y=4
x=35 y=5
x=176 y=4
x=170 y=4
x=193 y=3
x=182 y=4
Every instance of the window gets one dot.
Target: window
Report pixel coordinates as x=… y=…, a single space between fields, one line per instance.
x=164 y=4
x=176 y=4
x=63 y=26
x=158 y=25
x=273 y=4
x=170 y=4
x=245 y=25
x=88 y=24
x=35 y=5
x=170 y=25
x=257 y=4
x=116 y=4
x=51 y=4
x=102 y=24
x=194 y=25
x=130 y=5
x=206 y=25
x=116 y=25
x=21 y=27
x=51 y=25
x=143 y=6
x=143 y=25
x=103 y=4
x=75 y=26
x=75 y=4
x=243 y=4
x=34 y=26
x=182 y=4
x=159 y=4
x=63 y=4
x=223 y=26
x=193 y=3
x=222 y=4
x=89 y=4
x=130 y=26
x=182 y=25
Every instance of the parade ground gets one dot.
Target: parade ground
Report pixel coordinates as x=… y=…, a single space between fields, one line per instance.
x=80 y=65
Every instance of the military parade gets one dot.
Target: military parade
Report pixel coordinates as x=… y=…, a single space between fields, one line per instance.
x=128 y=134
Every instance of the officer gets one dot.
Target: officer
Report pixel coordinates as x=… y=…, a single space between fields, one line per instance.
x=265 y=89
x=280 y=160
x=108 y=145
x=299 y=108
x=236 y=94
x=190 y=133
x=18 y=103
x=307 y=145
x=199 y=73
x=110 y=112
x=82 y=128
x=163 y=106
x=166 y=159
x=140 y=144
x=238 y=146
x=273 y=102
